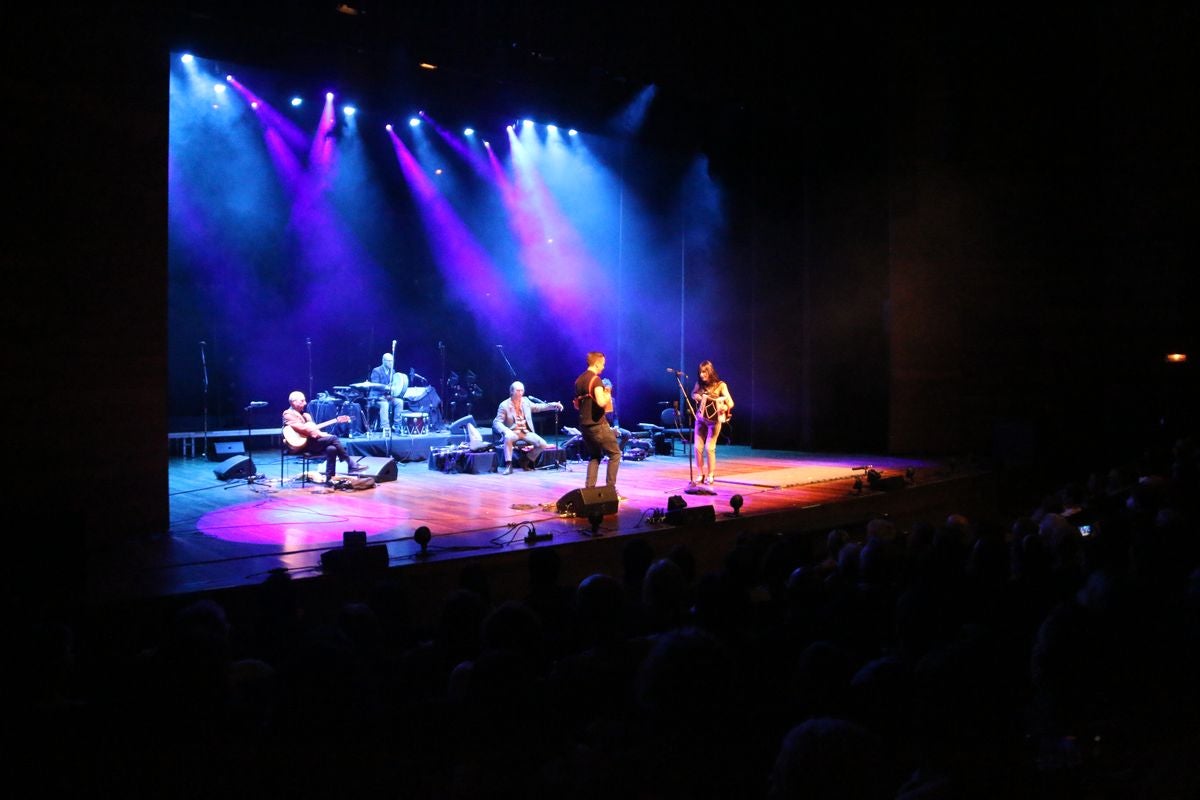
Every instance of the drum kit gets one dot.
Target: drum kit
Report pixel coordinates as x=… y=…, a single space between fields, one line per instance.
x=421 y=406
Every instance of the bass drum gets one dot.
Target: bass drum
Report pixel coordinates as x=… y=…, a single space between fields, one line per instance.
x=424 y=399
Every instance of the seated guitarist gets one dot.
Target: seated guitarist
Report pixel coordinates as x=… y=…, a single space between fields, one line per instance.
x=514 y=422
x=305 y=436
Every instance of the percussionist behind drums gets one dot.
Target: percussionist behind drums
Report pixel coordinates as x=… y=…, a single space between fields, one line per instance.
x=389 y=399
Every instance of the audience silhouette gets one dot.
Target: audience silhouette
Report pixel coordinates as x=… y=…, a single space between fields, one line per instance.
x=1027 y=657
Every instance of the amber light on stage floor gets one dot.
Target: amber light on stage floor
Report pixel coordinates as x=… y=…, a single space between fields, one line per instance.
x=1176 y=358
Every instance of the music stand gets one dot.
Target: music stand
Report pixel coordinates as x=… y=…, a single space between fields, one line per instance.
x=558 y=464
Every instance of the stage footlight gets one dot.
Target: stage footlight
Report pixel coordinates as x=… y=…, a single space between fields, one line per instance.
x=735 y=503
x=858 y=485
x=595 y=518
x=422 y=536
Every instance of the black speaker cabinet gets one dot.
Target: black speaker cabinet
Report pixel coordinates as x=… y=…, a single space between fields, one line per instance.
x=880 y=483
x=693 y=515
x=236 y=467
x=219 y=451
x=584 y=502
x=355 y=560
x=381 y=468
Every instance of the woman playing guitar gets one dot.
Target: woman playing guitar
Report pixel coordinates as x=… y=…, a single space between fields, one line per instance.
x=713 y=407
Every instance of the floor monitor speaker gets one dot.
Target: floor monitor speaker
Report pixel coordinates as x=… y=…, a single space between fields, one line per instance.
x=584 y=502
x=219 y=451
x=235 y=467
x=381 y=468
x=691 y=515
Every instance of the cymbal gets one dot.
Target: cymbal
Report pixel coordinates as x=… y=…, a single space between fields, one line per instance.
x=369 y=385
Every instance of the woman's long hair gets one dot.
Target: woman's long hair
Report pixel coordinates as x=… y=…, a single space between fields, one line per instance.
x=715 y=377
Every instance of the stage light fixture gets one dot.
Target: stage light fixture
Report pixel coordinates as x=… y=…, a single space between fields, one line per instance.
x=858 y=485
x=414 y=122
x=735 y=503
x=388 y=127
x=349 y=111
x=187 y=58
x=595 y=518
x=219 y=88
x=572 y=132
x=468 y=131
x=422 y=536
x=329 y=97
x=552 y=129
x=297 y=102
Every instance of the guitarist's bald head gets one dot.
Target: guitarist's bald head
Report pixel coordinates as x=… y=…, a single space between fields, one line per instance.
x=294 y=396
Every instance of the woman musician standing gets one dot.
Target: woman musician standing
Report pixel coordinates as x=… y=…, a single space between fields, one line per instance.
x=713 y=404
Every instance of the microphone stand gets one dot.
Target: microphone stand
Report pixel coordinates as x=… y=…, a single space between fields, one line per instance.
x=442 y=396
x=386 y=400
x=308 y=342
x=512 y=373
x=204 y=371
x=692 y=487
x=557 y=432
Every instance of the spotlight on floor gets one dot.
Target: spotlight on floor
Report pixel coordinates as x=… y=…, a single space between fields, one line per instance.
x=735 y=503
x=422 y=536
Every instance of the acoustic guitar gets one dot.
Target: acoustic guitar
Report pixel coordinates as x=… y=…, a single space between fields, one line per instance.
x=296 y=440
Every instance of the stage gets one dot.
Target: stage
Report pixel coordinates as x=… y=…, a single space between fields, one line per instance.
x=228 y=535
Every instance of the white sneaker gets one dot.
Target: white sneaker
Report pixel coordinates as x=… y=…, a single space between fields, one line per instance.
x=708 y=479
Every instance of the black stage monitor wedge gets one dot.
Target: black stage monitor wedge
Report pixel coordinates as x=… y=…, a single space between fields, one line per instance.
x=694 y=515
x=219 y=451
x=583 y=502
x=381 y=468
x=355 y=560
x=235 y=467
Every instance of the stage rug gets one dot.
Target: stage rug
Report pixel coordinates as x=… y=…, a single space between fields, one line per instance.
x=791 y=476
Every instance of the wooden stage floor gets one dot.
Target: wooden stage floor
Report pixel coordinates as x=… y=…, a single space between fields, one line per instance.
x=225 y=535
